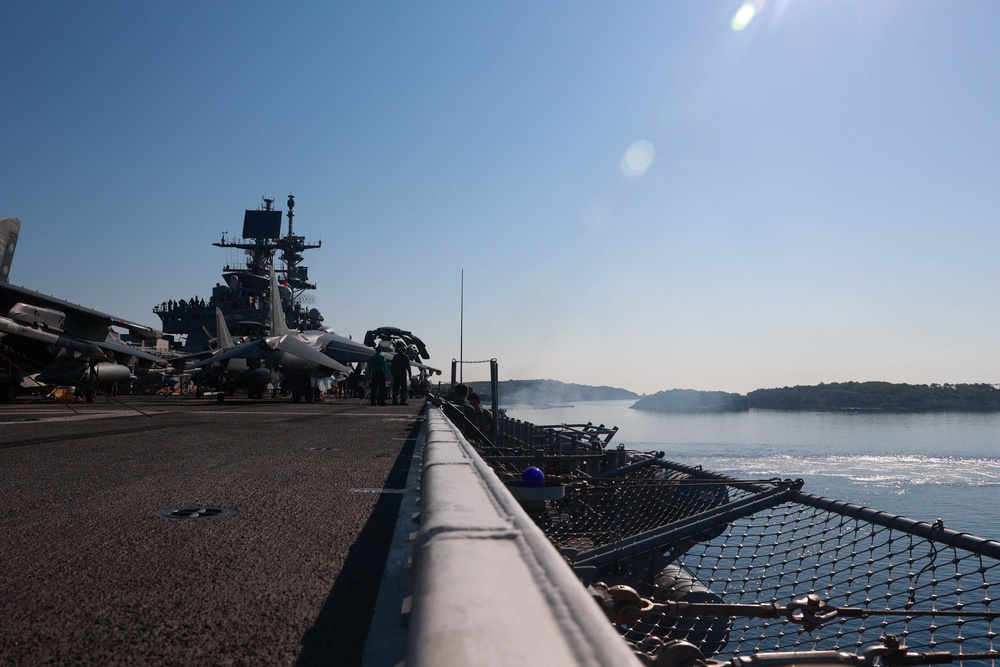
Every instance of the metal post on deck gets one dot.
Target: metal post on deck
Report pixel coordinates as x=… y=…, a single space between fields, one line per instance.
x=495 y=391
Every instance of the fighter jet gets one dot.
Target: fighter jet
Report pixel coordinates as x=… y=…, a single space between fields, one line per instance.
x=57 y=342
x=289 y=359
x=295 y=360
x=233 y=372
x=390 y=340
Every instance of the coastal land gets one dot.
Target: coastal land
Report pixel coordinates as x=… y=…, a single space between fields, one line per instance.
x=879 y=396
x=874 y=396
x=548 y=392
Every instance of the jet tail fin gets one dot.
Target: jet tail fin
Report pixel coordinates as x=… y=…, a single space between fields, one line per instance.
x=9 y=230
x=224 y=339
x=278 y=326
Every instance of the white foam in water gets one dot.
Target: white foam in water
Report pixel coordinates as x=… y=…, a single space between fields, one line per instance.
x=876 y=470
x=923 y=465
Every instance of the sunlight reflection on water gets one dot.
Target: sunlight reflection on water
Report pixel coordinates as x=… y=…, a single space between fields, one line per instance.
x=920 y=465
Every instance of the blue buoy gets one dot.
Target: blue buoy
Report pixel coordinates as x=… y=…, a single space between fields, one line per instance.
x=533 y=478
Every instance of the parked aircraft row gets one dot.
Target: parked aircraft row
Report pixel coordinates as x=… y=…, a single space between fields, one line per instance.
x=294 y=360
x=53 y=342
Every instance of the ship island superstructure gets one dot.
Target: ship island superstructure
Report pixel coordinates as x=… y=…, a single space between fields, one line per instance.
x=243 y=296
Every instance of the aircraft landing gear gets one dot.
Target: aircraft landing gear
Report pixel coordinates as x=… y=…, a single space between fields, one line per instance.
x=220 y=396
x=296 y=395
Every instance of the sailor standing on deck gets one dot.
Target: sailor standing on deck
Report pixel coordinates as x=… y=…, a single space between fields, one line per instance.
x=376 y=377
x=478 y=415
x=400 y=367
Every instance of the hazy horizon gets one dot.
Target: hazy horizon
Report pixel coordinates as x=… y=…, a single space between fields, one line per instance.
x=478 y=384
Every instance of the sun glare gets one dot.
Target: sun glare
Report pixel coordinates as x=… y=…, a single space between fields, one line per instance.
x=747 y=11
x=638 y=158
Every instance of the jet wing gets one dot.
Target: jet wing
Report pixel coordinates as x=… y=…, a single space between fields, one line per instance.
x=293 y=345
x=261 y=349
x=181 y=361
x=251 y=350
x=81 y=322
x=29 y=315
x=281 y=338
x=345 y=350
x=424 y=367
x=77 y=321
x=129 y=351
x=88 y=347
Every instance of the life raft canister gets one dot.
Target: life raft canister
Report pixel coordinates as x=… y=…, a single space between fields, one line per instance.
x=709 y=633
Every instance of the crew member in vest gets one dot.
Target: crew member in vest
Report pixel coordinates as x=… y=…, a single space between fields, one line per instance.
x=400 y=367
x=376 y=377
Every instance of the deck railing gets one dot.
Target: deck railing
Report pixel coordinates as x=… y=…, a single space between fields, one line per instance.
x=741 y=567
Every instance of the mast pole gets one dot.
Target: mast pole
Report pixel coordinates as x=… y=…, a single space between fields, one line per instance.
x=461 y=331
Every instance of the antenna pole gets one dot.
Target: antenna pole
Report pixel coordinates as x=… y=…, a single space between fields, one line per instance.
x=461 y=330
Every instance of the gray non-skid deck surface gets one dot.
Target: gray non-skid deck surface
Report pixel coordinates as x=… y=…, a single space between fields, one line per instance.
x=89 y=576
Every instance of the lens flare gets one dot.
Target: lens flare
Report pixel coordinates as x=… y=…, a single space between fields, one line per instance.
x=747 y=11
x=638 y=158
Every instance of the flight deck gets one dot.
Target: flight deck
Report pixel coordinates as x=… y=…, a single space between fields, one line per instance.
x=169 y=530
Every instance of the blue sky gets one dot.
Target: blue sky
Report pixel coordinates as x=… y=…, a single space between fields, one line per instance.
x=639 y=194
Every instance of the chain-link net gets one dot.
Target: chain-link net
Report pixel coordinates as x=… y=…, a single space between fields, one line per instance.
x=740 y=567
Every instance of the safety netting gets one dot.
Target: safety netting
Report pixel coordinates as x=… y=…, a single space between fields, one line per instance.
x=679 y=556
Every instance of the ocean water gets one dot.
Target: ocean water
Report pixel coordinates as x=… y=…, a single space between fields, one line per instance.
x=924 y=466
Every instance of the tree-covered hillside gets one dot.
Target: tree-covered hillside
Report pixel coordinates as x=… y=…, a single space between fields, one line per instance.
x=548 y=392
x=825 y=396
x=879 y=396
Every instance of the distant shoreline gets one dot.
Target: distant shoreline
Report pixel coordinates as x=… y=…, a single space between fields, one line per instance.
x=885 y=397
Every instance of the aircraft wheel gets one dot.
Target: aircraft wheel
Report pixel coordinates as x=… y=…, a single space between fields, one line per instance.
x=199 y=393
x=8 y=392
x=309 y=396
x=90 y=395
x=220 y=397
x=296 y=395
